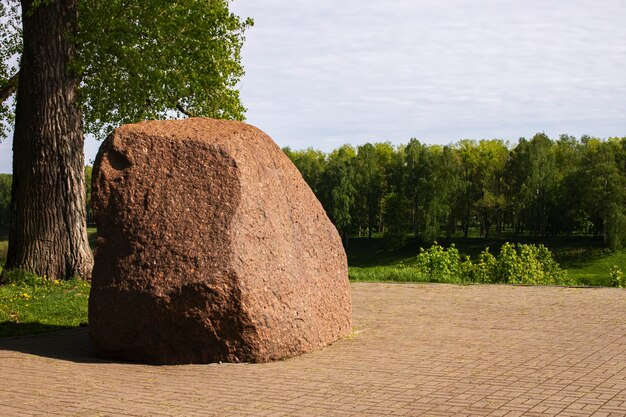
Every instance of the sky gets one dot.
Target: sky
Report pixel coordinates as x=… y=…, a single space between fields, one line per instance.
x=323 y=73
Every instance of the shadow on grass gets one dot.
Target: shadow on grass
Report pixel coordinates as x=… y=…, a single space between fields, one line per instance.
x=576 y=251
x=59 y=342
x=363 y=252
x=12 y=329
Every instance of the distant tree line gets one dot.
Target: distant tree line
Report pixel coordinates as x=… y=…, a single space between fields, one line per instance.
x=540 y=187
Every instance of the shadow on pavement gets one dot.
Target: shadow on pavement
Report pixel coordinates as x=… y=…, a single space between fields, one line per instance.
x=69 y=345
x=13 y=329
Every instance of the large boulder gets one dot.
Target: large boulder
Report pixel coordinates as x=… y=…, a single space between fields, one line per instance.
x=211 y=247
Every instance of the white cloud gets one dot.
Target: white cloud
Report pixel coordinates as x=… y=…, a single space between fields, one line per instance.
x=321 y=73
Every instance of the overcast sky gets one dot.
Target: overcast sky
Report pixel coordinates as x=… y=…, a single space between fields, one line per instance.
x=322 y=73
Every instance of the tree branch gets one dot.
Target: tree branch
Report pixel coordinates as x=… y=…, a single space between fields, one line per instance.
x=9 y=88
x=184 y=111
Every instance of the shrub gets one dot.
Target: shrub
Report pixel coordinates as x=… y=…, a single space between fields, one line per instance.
x=508 y=266
x=440 y=264
x=529 y=264
x=485 y=271
x=515 y=264
x=617 y=277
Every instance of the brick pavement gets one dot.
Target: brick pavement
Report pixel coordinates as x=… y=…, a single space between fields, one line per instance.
x=424 y=349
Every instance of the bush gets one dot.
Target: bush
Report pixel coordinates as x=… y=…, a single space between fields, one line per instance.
x=617 y=277
x=530 y=264
x=440 y=264
x=515 y=264
x=485 y=270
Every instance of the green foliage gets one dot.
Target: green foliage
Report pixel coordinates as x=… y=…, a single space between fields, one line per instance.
x=29 y=304
x=586 y=262
x=310 y=163
x=540 y=189
x=515 y=264
x=508 y=265
x=601 y=180
x=370 y=167
x=485 y=270
x=337 y=192
x=617 y=277
x=396 y=209
x=591 y=265
x=441 y=265
x=615 y=225
x=528 y=265
x=10 y=49
x=143 y=60
x=518 y=264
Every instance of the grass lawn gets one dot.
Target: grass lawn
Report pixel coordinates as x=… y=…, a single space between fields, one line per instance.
x=584 y=259
x=592 y=267
x=29 y=305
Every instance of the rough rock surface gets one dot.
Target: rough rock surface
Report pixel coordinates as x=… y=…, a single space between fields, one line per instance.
x=211 y=247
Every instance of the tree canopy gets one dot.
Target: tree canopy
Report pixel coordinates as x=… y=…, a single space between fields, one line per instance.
x=10 y=48
x=140 y=60
x=540 y=187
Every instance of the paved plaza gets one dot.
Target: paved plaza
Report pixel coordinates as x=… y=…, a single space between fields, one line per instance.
x=423 y=349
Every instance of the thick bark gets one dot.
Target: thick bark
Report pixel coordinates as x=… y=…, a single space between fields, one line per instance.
x=48 y=234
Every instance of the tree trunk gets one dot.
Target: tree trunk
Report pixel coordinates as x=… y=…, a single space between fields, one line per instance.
x=370 y=220
x=605 y=235
x=48 y=234
x=450 y=226
x=466 y=219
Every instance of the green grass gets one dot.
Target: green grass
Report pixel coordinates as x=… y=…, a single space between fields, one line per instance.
x=29 y=305
x=586 y=262
x=385 y=273
x=592 y=267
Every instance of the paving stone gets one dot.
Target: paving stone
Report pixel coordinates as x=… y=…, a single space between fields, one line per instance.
x=416 y=350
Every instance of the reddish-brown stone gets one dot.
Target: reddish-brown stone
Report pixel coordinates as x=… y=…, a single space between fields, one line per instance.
x=211 y=247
